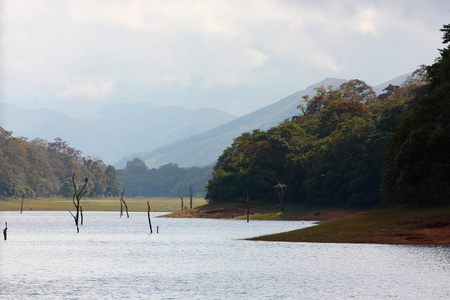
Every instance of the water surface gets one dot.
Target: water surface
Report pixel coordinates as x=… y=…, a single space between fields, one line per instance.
x=115 y=257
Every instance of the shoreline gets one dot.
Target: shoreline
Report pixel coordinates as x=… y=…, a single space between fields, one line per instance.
x=395 y=226
x=259 y=212
x=400 y=225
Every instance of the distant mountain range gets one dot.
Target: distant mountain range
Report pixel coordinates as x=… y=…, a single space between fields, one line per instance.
x=115 y=131
x=204 y=149
x=159 y=135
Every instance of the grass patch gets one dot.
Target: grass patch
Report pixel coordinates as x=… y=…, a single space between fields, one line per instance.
x=97 y=204
x=265 y=212
x=389 y=226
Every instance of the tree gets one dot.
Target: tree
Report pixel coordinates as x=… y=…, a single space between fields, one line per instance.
x=281 y=189
x=112 y=182
x=38 y=168
x=191 y=194
x=78 y=194
x=66 y=189
x=358 y=90
x=136 y=165
x=418 y=160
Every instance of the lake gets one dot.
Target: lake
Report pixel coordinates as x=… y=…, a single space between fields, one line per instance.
x=115 y=257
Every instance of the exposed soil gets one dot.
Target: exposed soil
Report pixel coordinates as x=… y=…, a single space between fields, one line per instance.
x=433 y=235
x=263 y=212
x=430 y=230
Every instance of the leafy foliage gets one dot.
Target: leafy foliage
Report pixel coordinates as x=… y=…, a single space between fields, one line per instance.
x=418 y=154
x=331 y=154
x=40 y=168
x=346 y=142
x=167 y=181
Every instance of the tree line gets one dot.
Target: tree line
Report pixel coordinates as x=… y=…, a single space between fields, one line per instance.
x=348 y=146
x=39 y=168
x=166 y=181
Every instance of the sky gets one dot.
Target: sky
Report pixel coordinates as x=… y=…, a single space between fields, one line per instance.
x=237 y=56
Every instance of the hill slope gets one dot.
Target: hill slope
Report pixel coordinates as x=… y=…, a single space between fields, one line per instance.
x=204 y=149
x=116 y=130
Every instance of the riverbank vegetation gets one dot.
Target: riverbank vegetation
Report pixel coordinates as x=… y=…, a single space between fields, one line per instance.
x=350 y=147
x=166 y=181
x=39 y=168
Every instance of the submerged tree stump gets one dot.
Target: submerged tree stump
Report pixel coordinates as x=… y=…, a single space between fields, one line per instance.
x=5 y=235
x=122 y=201
x=78 y=194
x=248 y=209
x=148 y=214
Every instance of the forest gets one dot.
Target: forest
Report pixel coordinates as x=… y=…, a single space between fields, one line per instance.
x=166 y=181
x=348 y=146
x=39 y=168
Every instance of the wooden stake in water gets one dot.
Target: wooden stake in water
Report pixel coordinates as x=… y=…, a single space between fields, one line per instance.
x=4 y=231
x=149 y=221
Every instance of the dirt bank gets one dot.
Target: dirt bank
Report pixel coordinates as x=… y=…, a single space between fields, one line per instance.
x=343 y=225
x=257 y=212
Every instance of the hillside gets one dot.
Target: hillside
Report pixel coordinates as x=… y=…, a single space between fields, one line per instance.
x=114 y=131
x=204 y=149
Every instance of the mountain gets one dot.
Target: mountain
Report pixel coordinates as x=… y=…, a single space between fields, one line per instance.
x=114 y=131
x=204 y=149
x=48 y=124
x=399 y=80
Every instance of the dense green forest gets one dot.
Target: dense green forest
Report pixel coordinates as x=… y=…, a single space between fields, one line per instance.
x=39 y=168
x=167 y=181
x=347 y=146
x=350 y=147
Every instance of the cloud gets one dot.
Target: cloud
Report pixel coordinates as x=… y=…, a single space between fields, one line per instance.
x=139 y=50
x=91 y=88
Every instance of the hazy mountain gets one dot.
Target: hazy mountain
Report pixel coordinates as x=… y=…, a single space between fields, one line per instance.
x=114 y=131
x=158 y=134
x=49 y=124
x=205 y=148
x=399 y=80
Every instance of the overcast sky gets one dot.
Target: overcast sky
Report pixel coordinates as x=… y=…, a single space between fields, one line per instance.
x=237 y=56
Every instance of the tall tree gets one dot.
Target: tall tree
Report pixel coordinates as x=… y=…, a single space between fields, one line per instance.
x=112 y=182
x=418 y=160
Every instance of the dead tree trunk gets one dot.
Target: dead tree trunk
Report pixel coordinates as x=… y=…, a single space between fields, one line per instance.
x=148 y=214
x=181 y=197
x=122 y=201
x=78 y=194
x=126 y=208
x=81 y=213
x=191 y=194
x=121 y=207
x=5 y=235
x=248 y=209
x=281 y=188
x=21 y=206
